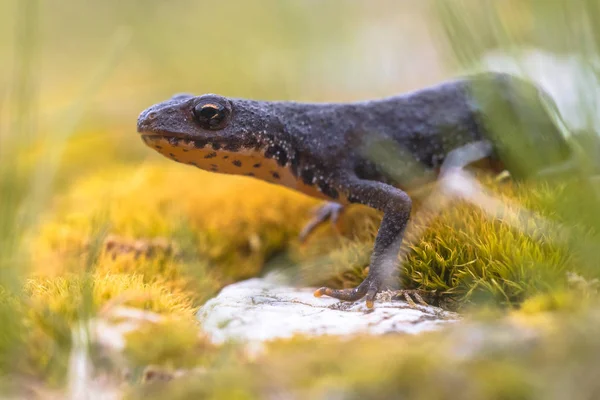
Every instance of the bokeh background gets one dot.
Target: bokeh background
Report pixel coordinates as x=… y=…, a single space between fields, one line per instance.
x=92 y=221
x=97 y=65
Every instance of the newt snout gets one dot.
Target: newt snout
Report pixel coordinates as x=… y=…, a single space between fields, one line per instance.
x=169 y=112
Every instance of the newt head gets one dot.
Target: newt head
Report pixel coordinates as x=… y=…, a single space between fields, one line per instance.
x=209 y=131
x=207 y=119
x=217 y=134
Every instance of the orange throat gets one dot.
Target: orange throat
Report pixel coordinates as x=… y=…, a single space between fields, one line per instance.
x=247 y=162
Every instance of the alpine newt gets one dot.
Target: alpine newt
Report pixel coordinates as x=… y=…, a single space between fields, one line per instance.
x=367 y=152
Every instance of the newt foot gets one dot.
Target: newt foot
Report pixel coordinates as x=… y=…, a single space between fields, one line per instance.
x=413 y=297
x=329 y=211
x=368 y=288
x=409 y=294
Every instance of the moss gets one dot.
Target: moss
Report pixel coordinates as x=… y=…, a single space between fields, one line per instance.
x=172 y=342
x=52 y=306
x=170 y=248
x=211 y=216
x=503 y=359
x=224 y=229
x=466 y=255
x=463 y=255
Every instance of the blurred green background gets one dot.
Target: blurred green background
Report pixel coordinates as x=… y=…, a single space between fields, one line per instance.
x=74 y=75
x=119 y=57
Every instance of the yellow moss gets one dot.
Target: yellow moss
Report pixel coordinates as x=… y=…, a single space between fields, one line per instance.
x=566 y=301
x=64 y=295
x=221 y=229
x=175 y=275
x=52 y=305
x=172 y=342
x=232 y=223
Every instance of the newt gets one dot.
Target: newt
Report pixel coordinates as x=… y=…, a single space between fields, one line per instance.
x=369 y=152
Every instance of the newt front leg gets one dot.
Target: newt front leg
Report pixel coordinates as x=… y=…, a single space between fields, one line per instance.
x=396 y=206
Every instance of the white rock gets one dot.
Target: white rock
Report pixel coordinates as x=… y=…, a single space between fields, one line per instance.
x=259 y=310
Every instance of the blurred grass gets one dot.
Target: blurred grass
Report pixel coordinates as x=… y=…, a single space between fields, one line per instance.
x=561 y=27
x=74 y=177
x=14 y=182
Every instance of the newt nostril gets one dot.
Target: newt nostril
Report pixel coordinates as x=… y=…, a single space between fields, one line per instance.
x=145 y=121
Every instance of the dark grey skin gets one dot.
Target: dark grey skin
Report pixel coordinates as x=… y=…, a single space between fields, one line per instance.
x=371 y=152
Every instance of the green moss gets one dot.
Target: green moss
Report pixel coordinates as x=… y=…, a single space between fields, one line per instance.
x=464 y=254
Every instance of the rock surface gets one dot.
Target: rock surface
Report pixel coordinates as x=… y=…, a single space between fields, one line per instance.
x=259 y=310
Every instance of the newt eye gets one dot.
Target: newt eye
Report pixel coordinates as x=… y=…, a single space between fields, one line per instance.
x=212 y=113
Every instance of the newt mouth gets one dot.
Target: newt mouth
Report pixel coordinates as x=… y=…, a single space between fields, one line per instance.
x=144 y=131
x=150 y=138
